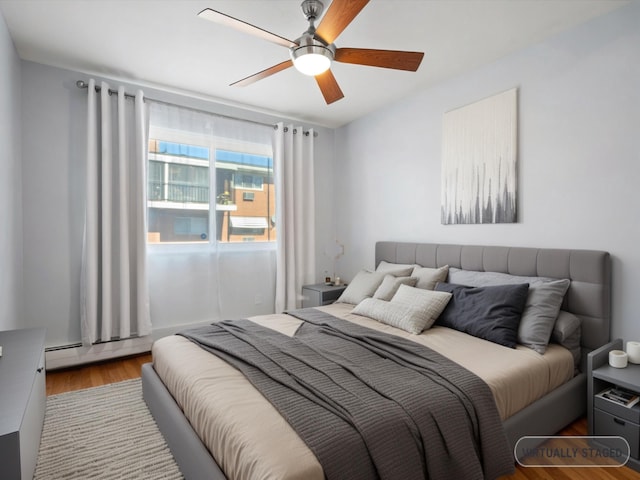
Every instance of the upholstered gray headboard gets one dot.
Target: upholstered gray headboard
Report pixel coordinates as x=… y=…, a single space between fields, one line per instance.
x=589 y=295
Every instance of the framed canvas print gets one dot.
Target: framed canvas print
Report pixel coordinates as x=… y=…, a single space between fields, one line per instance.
x=479 y=162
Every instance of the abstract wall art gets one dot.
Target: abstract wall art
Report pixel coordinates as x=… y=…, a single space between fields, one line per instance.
x=479 y=177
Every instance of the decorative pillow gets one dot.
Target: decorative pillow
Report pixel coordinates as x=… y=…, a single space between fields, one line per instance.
x=405 y=317
x=540 y=313
x=428 y=277
x=543 y=302
x=427 y=301
x=567 y=332
x=396 y=269
x=491 y=313
x=390 y=285
x=363 y=285
x=485 y=279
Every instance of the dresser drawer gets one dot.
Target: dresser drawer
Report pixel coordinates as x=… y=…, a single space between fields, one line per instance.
x=606 y=424
x=22 y=401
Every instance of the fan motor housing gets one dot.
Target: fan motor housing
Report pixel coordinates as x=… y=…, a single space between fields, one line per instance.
x=312 y=9
x=309 y=43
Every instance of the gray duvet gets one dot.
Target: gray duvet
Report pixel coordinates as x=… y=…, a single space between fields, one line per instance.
x=369 y=405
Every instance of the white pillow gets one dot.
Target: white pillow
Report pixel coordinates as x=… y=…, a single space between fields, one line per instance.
x=390 y=285
x=414 y=310
x=428 y=277
x=396 y=315
x=363 y=285
x=395 y=269
x=429 y=302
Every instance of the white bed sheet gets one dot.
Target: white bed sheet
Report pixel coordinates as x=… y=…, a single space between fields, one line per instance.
x=250 y=440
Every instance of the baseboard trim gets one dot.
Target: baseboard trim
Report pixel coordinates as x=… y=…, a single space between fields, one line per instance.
x=78 y=355
x=74 y=355
x=158 y=333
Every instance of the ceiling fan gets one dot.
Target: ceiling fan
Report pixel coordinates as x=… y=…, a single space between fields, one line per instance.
x=314 y=51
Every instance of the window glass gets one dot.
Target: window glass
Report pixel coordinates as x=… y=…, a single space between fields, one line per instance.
x=182 y=206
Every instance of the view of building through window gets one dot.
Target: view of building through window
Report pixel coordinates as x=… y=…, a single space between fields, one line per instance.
x=182 y=206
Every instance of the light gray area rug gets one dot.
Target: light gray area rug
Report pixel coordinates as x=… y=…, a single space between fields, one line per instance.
x=103 y=433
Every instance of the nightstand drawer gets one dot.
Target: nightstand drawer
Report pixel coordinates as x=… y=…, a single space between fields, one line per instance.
x=320 y=294
x=607 y=424
x=632 y=414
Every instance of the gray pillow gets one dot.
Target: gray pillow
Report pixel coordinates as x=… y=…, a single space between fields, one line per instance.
x=540 y=313
x=567 y=332
x=541 y=310
x=390 y=285
x=428 y=277
x=491 y=313
x=475 y=278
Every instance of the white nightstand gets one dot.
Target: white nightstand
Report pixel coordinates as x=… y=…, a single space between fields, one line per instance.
x=320 y=294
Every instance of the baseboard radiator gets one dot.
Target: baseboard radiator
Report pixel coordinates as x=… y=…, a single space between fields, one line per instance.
x=78 y=354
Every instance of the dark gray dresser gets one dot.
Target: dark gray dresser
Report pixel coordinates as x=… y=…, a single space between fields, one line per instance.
x=22 y=401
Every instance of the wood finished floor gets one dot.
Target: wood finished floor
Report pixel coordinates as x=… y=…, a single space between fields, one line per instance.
x=94 y=375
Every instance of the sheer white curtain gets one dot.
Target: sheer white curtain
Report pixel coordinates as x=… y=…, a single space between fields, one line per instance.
x=295 y=218
x=209 y=280
x=114 y=291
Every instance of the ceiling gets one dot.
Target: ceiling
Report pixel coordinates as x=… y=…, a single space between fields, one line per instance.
x=162 y=43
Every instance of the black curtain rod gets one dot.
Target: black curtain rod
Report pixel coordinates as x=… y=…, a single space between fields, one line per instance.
x=83 y=84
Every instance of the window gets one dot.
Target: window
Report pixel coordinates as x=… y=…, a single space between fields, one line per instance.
x=203 y=189
x=190 y=226
x=248 y=181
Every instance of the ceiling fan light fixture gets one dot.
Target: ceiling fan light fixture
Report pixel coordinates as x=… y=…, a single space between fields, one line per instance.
x=312 y=59
x=313 y=53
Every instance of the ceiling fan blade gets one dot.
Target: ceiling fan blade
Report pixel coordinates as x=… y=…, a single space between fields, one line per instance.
x=329 y=87
x=396 y=59
x=263 y=74
x=339 y=15
x=229 y=21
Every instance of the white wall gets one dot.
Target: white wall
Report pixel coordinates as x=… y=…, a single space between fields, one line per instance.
x=377 y=178
x=579 y=158
x=182 y=287
x=10 y=185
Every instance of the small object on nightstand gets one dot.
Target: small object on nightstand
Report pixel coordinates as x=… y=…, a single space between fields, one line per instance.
x=620 y=396
x=337 y=281
x=633 y=351
x=617 y=359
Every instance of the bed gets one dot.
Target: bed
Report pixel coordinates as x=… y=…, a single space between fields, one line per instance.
x=587 y=298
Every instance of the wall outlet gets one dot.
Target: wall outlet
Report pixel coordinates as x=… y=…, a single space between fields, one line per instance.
x=258 y=299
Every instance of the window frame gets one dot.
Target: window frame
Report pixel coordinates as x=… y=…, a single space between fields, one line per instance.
x=212 y=143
